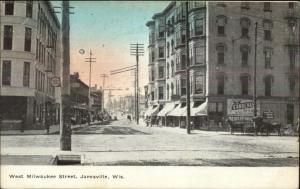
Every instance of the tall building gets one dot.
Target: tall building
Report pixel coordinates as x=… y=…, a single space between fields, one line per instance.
x=30 y=57
x=221 y=56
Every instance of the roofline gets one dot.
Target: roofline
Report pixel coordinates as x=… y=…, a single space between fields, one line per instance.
x=171 y=4
x=50 y=7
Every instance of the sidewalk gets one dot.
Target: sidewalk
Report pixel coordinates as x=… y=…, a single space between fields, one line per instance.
x=54 y=129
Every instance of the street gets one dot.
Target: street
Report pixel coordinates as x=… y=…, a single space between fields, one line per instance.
x=123 y=143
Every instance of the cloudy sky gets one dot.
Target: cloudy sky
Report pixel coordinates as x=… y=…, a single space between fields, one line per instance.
x=108 y=28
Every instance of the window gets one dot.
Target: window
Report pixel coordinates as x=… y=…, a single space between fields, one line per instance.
x=245 y=24
x=291 y=5
x=6 y=72
x=152 y=56
x=168 y=70
x=29 y=9
x=172 y=89
x=161 y=52
x=183 y=36
x=267 y=6
x=220 y=84
x=268 y=52
x=160 y=93
x=199 y=55
x=292 y=55
x=8 y=37
x=245 y=5
x=168 y=49
x=221 y=21
x=220 y=47
x=245 y=33
x=199 y=27
x=27 y=44
x=152 y=75
x=244 y=58
x=168 y=91
x=172 y=46
x=183 y=62
x=9 y=8
x=268 y=86
x=26 y=74
x=161 y=72
x=199 y=80
x=183 y=86
x=292 y=84
x=152 y=95
x=267 y=35
x=172 y=68
x=161 y=32
x=244 y=84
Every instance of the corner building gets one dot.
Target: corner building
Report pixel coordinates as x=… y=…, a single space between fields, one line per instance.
x=30 y=57
x=221 y=56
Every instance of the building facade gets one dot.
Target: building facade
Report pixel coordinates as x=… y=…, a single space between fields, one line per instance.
x=221 y=60
x=30 y=57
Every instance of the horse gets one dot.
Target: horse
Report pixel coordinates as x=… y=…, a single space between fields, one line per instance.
x=261 y=125
x=234 y=126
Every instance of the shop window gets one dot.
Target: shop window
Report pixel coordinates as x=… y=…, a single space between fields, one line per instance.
x=290 y=114
x=8 y=37
x=9 y=7
x=183 y=86
x=6 y=72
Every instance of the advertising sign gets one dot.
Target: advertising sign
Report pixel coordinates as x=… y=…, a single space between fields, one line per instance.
x=241 y=109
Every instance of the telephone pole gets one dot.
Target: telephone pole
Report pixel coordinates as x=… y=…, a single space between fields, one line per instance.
x=137 y=50
x=254 y=73
x=188 y=104
x=103 y=84
x=90 y=60
x=65 y=125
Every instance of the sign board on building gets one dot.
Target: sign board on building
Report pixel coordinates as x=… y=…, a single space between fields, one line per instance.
x=268 y=114
x=55 y=82
x=240 y=109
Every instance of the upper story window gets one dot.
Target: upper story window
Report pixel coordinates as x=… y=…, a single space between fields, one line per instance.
x=8 y=37
x=152 y=75
x=220 y=84
x=168 y=91
x=267 y=25
x=6 y=72
x=161 y=72
x=245 y=84
x=198 y=26
x=245 y=24
x=183 y=86
x=168 y=49
x=292 y=84
x=161 y=52
x=183 y=62
x=268 y=85
x=245 y=49
x=172 y=68
x=221 y=22
x=27 y=43
x=168 y=70
x=291 y=5
x=267 y=6
x=172 y=46
x=152 y=56
x=161 y=32
x=292 y=50
x=245 y=5
x=160 y=93
x=172 y=89
x=199 y=55
x=268 y=55
x=29 y=9
x=199 y=83
x=26 y=74
x=220 y=53
x=9 y=7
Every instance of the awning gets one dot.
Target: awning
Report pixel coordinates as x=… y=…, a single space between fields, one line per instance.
x=152 y=110
x=201 y=110
x=168 y=108
x=177 y=111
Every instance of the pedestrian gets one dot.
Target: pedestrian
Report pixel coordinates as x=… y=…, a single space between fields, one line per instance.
x=47 y=123
x=88 y=119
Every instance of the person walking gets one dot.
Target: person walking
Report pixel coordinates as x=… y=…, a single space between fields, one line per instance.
x=47 y=123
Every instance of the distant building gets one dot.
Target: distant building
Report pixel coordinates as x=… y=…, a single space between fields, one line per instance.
x=29 y=58
x=221 y=56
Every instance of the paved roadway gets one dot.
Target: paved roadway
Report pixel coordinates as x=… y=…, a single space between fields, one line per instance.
x=124 y=143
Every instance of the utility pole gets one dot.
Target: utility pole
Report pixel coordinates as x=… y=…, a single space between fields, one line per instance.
x=137 y=50
x=65 y=125
x=254 y=73
x=103 y=84
x=188 y=104
x=90 y=60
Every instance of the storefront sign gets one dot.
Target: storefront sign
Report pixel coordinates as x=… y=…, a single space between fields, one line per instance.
x=268 y=114
x=240 y=109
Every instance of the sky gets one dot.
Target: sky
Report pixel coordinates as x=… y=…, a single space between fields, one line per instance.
x=107 y=28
